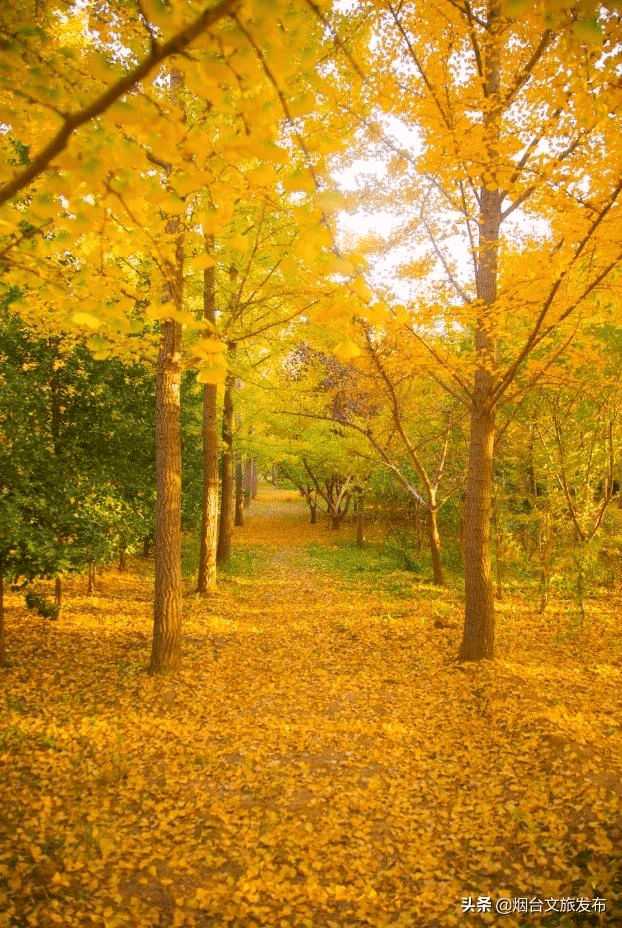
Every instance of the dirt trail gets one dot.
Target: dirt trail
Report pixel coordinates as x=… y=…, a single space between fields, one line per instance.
x=283 y=579
x=278 y=520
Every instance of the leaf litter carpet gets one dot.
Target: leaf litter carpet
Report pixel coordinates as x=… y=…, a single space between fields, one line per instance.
x=320 y=761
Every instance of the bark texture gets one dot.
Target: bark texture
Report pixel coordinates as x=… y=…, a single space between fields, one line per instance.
x=248 y=480
x=479 y=624
x=434 y=539
x=225 y=524
x=207 y=575
x=166 y=649
x=239 y=493
x=478 y=640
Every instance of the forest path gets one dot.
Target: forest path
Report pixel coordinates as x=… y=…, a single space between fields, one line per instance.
x=286 y=584
x=320 y=761
x=277 y=536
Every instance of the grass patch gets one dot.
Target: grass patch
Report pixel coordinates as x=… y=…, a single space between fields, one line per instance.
x=246 y=561
x=249 y=561
x=381 y=563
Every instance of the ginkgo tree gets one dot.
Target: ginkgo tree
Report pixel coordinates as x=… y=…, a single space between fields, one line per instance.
x=117 y=237
x=405 y=422
x=511 y=190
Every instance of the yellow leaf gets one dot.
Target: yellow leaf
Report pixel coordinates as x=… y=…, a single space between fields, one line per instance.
x=92 y=322
x=361 y=289
x=212 y=373
x=263 y=176
x=375 y=312
x=238 y=243
x=329 y=200
x=347 y=349
x=341 y=266
x=106 y=846
x=201 y=262
x=301 y=182
x=208 y=347
x=326 y=314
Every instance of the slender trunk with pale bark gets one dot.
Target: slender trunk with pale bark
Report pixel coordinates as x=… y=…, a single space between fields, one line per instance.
x=248 y=480
x=207 y=574
x=225 y=524
x=239 y=493
x=434 y=539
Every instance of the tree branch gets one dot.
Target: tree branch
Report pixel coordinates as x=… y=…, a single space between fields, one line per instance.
x=158 y=54
x=537 y=333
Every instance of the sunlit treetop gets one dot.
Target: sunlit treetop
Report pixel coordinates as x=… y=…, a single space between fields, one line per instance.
x=235 y=112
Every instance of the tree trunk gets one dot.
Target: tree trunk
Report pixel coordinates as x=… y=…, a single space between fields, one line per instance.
x=58 y=596
x=207 y=574
x=167 y=614
x=146 y=546
x=122 y=557
x=313 y=508
x=418 y=511
x=478 y=640
x=248 y=481
x=166 y=649
x=336 y=521
x=435 y=546
x=479 y=620
x=225 y=524
x=239 y=493
x=254 y=478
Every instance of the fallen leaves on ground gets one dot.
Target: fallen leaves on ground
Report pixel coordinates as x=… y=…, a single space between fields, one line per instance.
x=320 y=762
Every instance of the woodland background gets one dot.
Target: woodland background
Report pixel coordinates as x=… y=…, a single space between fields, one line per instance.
x=354 y=264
